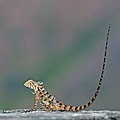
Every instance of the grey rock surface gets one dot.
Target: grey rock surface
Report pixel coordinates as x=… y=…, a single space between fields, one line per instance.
x=26 y=114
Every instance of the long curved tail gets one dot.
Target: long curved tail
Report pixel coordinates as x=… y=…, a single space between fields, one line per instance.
x=101 y=75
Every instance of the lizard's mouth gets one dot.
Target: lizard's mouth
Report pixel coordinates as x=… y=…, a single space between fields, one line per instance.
x=25 y=84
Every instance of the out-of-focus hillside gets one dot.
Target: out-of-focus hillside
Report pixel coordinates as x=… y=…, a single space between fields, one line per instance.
x=60 y=43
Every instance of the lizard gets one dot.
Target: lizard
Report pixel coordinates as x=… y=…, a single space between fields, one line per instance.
x=49 y=102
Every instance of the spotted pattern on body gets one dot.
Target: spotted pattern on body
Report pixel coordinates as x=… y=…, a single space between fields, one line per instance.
x=49 y=102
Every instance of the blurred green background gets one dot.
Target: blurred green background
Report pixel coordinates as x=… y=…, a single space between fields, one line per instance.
x=60 y=42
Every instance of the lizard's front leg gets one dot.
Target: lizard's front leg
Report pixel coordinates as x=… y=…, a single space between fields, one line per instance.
x=36 y=100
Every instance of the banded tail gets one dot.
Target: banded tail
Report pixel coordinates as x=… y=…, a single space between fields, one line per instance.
x=101 y=75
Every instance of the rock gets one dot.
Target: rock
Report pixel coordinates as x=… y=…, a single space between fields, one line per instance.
x=27 y=114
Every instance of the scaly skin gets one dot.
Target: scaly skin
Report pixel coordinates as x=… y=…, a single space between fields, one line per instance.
x=49 y=103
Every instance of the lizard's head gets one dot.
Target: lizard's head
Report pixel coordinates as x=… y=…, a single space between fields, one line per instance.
x=33 y=85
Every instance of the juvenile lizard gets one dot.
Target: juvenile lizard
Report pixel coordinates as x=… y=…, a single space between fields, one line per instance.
x=49 y=103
